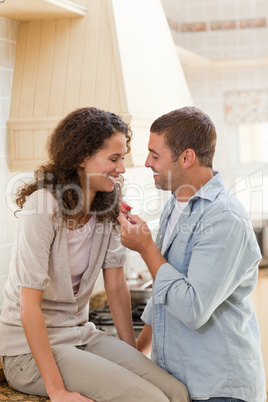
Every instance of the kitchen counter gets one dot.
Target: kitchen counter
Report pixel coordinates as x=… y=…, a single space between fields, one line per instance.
x=9 y=394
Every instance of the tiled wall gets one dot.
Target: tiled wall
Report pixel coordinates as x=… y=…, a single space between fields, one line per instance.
x=220 y=29
x=8 y=36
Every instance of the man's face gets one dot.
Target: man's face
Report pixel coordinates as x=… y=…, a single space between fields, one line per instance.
x=167 y=172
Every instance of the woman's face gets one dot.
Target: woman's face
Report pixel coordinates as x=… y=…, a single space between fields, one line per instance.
x=103 y=169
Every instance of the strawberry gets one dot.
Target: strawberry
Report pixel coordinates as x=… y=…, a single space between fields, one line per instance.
x=125 y=208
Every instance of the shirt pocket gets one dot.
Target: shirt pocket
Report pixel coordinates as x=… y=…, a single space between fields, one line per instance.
x=180 y=252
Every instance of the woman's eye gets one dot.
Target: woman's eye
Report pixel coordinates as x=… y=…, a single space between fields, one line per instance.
x=113 y=160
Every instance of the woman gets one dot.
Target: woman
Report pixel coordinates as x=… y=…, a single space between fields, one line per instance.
x=67 y=233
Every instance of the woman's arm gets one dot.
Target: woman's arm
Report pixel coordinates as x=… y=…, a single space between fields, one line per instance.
x=37 y=338
x=144 y=341
x=120 y=304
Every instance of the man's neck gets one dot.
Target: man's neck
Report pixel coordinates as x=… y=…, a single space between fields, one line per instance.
x=196 y=180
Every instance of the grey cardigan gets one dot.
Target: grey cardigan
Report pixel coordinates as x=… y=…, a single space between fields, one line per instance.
x=40 y=261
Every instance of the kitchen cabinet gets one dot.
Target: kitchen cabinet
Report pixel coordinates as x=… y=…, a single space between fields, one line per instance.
x=260 y=300
x=108 y=58
x=61 y=64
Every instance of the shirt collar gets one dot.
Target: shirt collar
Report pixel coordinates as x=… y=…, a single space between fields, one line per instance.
x=211 y=189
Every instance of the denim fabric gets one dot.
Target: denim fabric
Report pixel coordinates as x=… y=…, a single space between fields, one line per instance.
x=205 y=330
x=219 y=400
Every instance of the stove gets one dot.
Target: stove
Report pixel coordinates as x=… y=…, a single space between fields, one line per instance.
x=103 y=320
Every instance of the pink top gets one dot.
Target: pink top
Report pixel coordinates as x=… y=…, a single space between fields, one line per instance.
x=79 y=249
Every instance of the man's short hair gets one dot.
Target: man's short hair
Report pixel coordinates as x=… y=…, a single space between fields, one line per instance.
x=185 y=128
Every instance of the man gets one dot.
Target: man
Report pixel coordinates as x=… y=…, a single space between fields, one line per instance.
x=200 y=319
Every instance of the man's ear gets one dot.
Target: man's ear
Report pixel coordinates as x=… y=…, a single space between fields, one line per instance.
x=188 y=158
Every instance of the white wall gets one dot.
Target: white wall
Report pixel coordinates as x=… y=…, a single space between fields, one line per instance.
x=192 y=23
x=8 y=36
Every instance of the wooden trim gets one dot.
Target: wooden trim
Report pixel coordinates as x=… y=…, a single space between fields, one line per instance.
x=43 y=9
x=2 y=376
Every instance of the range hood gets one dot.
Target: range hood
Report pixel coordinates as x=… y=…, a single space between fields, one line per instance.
x=119 y=57
x=25 y=10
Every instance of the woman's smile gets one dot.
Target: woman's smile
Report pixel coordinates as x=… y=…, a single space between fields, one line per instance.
x=103 y=169
x=112 y=178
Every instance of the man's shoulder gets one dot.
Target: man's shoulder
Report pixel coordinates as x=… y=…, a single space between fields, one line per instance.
x=227 y=207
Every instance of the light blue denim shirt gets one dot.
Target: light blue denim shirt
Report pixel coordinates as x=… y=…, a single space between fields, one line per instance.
x=205 y=330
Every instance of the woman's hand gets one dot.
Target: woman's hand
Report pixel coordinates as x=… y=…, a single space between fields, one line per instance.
x=66 y=396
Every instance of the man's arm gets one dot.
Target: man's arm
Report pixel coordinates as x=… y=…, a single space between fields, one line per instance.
x=220 y=259
x=144 y=341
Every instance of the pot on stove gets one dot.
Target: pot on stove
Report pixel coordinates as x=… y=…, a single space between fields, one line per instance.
x=140 y=290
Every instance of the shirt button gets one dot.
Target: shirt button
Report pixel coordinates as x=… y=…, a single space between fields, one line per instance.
x=72 y=317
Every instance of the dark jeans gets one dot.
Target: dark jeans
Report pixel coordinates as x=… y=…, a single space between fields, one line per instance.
x=219 y=400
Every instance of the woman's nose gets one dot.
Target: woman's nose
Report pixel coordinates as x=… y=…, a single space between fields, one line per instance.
x=120 y=168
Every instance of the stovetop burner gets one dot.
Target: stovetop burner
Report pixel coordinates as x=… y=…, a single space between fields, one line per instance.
x=103 y=316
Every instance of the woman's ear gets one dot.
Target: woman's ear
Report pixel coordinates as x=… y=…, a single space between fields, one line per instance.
x=188 y=158
x=82 y=164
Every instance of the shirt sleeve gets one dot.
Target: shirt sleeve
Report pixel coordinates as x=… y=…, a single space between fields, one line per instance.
x=147 y=315
x=34 y=238
x=220 y=259
x=116 y=254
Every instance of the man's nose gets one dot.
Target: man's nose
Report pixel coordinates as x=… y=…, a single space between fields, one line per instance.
x=148 y=162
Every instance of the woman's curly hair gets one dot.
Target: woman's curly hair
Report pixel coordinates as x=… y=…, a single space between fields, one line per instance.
x=82 y=133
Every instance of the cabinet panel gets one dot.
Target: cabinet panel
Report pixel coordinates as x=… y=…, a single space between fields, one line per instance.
x=74 y=63
x=44 y=71
x=59 y=68
x=30 y=66
x=18 y=72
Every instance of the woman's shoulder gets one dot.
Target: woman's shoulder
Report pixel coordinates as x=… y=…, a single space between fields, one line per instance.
x=41 y=201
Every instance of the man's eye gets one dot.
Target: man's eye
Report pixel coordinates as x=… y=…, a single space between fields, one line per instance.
x=155 y=157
